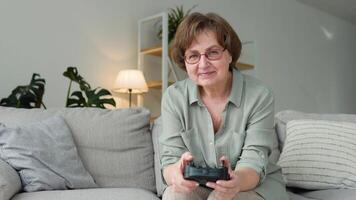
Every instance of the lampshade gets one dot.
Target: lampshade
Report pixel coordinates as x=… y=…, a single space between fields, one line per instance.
x=130 y=79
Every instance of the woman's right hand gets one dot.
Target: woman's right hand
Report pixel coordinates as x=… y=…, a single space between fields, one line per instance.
x=178 y=182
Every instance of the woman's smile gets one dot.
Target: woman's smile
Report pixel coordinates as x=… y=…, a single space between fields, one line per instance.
x=206 y=75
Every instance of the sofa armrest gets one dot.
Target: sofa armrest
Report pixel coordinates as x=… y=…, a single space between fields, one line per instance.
x=10 y=182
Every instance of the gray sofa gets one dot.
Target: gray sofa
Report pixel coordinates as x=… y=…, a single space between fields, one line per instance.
x=119 y=148
x=115 y=146
x=281 y=120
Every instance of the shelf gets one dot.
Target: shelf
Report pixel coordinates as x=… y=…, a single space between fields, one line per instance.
x=154 y=51
x=156 y=84
x=157 y=51
x=157 y=70
x=244 y=66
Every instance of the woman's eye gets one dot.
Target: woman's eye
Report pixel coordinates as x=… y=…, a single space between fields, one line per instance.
x=213 y=52
x=193 y=56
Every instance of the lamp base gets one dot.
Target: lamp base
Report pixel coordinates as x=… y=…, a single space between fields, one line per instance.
x=130 y=94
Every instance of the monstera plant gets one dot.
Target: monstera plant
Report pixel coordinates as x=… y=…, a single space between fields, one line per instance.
x=27 y=96
x=86 y=97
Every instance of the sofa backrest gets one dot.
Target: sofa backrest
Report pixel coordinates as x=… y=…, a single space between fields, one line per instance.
x=114 y=145
x=283 y=117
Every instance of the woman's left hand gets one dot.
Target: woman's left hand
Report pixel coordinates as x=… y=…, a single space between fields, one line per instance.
x=226 y=190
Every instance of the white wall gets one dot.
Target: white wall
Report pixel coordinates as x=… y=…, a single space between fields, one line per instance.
x=307 y=70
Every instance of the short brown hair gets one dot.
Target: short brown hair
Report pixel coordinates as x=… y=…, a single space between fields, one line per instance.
x=196 y=23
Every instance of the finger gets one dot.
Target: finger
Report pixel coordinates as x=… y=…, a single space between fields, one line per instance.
x=189 y=184
x=188 y=187
x=227 y=184
x=217 y=187
x=211 y=185
x=226 y=163
x=183 y=185
x=222 y=185
x=186 y=158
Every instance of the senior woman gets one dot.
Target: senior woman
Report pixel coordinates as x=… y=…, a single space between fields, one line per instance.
x=217 y=116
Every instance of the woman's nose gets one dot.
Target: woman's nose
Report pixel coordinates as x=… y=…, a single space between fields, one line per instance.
x=203 y=62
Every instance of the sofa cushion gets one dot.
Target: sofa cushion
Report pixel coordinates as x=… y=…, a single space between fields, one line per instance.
x=89 y=194
x=114 y=145
x=319 y=154
x=45 y=156
x=334 y=194
x=156 y=131
x=283 y=117
x=10 y=182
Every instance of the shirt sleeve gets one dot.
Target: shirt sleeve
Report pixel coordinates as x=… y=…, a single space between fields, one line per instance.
x=170 y=141
x=259 y=141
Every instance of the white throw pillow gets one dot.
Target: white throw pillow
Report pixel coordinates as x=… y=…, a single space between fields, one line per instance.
x=45 y=156
x=319 y=154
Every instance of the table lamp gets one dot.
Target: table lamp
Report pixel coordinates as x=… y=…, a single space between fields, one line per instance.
x=130 y=81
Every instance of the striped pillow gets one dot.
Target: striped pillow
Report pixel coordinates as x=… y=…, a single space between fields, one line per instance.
x=319 y=154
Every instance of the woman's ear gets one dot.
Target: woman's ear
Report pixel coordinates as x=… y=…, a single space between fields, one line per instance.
x=230 y=59
x=229 y=56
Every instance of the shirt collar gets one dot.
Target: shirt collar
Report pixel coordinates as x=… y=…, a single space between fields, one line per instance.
x=237 y=88
x=193 y=92
x=235 y=94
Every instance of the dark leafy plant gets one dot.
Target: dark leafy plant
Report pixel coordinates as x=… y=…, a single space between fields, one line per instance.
x=27 y=96
x=72 y=74
x=86 y=97
x=175 y=17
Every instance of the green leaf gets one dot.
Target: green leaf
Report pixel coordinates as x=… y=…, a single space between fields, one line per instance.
x=78 y=100
x=86 y=97
x=27 y=96
x=175 y=17
x=72 y=74
x=96 y=98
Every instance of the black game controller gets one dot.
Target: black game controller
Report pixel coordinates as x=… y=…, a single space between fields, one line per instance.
x=203 y=175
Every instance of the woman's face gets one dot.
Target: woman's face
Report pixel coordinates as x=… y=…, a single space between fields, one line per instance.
x=211 y=69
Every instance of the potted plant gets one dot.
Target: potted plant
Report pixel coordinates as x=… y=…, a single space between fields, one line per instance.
x=86 y=97
x=175 y=17
x=27 y=96
x=30 y=96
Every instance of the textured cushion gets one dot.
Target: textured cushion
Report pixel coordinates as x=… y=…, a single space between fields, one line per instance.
x=90 y=194
x=283 y=117
x=45 y=156
x=319 y=154
x=335 y=194
x=156 y=131
x=10 y=182
x=114 y=145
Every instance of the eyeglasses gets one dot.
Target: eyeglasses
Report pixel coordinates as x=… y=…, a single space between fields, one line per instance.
x=211 y=54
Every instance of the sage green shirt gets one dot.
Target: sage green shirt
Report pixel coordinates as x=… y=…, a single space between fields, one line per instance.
x=245 y=134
